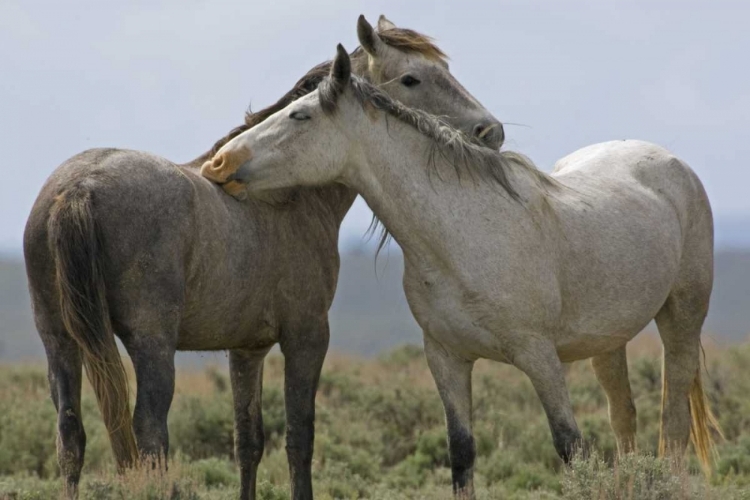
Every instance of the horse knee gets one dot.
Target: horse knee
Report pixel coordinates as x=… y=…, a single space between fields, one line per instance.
x=300 y=442
x=249 y=447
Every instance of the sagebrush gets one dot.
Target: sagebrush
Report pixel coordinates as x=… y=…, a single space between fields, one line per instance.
x=380 y=435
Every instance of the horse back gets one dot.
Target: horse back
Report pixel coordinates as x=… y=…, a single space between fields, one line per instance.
x=175 y=250
x=634 y=220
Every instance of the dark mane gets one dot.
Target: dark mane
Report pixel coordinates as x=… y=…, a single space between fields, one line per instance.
x=304 y=86
x=406 y=40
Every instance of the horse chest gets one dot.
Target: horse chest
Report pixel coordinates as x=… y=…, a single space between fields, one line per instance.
x=447 y=313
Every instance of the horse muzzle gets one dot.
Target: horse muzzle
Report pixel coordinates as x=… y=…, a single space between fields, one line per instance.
x=224 y=167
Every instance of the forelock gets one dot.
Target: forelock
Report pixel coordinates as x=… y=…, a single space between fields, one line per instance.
x=412 y=42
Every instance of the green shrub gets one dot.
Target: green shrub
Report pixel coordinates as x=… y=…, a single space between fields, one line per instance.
x=213 y=472
x=202 y=426
x=380 y=434
x=28 y=431
x=641 y=477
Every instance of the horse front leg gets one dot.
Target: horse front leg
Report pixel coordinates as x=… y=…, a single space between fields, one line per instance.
x=452 y=376
x=538 y=359
x=246 y=374
x=304 y=351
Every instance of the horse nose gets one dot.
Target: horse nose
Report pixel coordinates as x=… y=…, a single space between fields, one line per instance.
x=215 y=169
x=490 y=132
x=225 y=163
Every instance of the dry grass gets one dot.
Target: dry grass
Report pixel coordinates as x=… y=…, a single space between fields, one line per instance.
x=380 y=435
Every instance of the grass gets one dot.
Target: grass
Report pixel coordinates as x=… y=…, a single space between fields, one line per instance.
x=380 y=435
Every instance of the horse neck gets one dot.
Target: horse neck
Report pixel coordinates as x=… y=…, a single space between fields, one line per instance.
x=335 y=199
x=422 y=208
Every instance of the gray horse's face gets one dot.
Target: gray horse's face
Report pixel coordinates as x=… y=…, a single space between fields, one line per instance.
x=428 y=85
x=420 y=78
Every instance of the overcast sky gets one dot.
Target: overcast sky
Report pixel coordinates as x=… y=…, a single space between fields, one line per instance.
x=172 y=76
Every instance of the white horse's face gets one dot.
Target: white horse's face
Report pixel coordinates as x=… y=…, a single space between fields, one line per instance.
x=297 y=146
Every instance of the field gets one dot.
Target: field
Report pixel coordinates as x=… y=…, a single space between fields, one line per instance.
x=380 y=435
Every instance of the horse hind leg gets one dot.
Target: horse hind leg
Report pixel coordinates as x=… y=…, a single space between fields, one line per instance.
x=153 y=360
x=685 y=412
x=65 y=378
x=149 y=330
x=611 y=371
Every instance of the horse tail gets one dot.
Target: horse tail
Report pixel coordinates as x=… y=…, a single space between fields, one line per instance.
x=702 y=420
x=75 y=243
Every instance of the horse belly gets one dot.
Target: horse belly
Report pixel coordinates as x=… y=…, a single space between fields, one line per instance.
x=617 y=272
x=589 y=345
x=610 y=315
x=222 y=311
x=217 y=334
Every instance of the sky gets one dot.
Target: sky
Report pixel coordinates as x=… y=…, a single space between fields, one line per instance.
x=170 y=77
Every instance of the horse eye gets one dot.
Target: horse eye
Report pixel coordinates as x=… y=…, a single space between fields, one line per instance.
x=409 y=81
x=299 y=116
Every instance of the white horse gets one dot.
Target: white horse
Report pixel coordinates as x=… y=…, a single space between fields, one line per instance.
x=507 y=263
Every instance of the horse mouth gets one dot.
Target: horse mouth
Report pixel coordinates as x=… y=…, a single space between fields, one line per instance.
x=233 y=188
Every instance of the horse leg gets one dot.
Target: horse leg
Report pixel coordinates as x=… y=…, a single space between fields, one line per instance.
x=153 y=360
x=539 y=361
x=246 y=373
x=452 y=376
x=679 y=328
x=304 y=351
x=611 y=371
x=64 y=373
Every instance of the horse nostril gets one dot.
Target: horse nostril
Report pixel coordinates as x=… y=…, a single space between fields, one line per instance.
x=490 y=133
x=218 y=162
x=479 y=131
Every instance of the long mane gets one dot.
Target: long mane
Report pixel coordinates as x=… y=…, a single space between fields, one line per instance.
x=466 y=154
x=403 y=39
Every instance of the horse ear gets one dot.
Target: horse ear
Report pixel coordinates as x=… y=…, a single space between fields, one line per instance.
x=341 y=70
x=385 y=24
x=368 y=39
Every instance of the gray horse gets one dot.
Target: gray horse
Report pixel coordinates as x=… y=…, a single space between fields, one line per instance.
x=129 y=244
x=507 y=263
